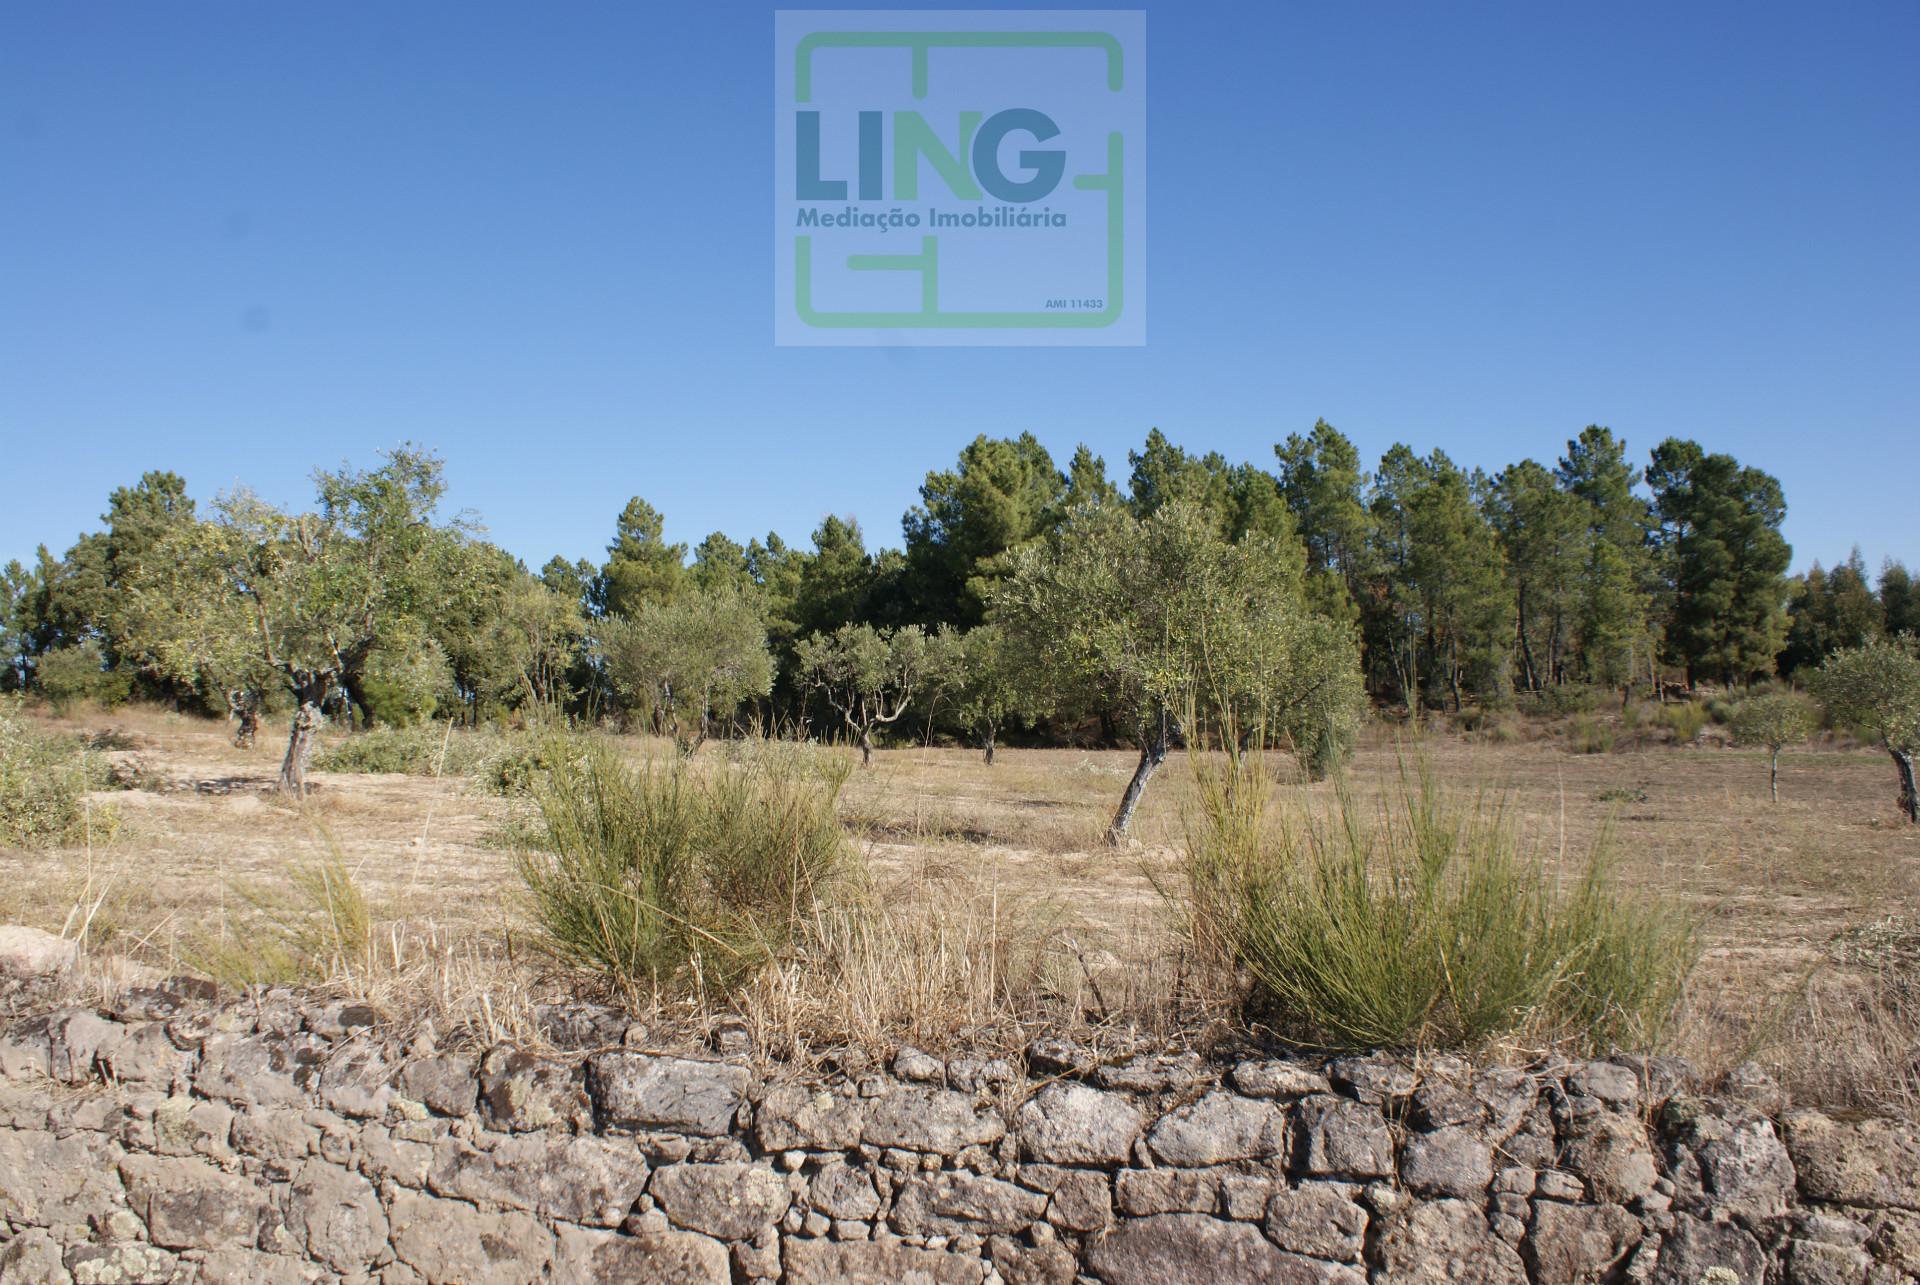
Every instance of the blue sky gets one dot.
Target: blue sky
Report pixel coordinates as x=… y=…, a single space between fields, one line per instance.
x=243 y=240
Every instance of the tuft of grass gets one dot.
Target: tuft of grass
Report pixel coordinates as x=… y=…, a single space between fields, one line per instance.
x=1590 y=735
x=45 y=778
x=681 y=875
x=315 y=927
x=1684 y=722
x=1436 y=923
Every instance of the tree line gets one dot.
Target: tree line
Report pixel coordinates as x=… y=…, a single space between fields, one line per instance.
x=1194 y=597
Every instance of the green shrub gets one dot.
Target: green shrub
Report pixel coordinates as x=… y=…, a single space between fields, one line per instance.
x=1492 y=723
x=1570 y=698
x=44 y=781
x=503 y=762
x=419 y=750
x=1720 y=709
x=1324 y=749
x=681 y=875
x=68 y=676
x=404 y=687
x=521 y=761
x=1590 y=735
x=1474 y=718
x=1685 y=722
x=1435 y=924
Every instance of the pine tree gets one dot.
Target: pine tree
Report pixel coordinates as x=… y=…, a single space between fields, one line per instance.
x=1003 y=492
x=1726 y=561
x=641 y=566
x=1322 y=483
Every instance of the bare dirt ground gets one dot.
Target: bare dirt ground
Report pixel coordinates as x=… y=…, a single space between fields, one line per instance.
x=1002 y=868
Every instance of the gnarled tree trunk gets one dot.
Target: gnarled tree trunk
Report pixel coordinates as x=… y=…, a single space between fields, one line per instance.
x=1909 y=797
x=1153 y=752
x=306 y=723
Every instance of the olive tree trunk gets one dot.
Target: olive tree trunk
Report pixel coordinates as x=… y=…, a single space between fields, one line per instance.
x=1153 y=752
x=1773 y=773
x=293 y=769
x=1909 y=797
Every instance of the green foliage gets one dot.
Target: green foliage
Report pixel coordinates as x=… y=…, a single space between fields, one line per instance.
x=44 y=781
x=1151 y=616
x=1616 y=600
x=832 y=585
x=416 y=749
x=317 y=927
x=1002 y=493
x=871 y=676
x=663 y=877
x=1832 y=610
x=1774 y=720
x=76 y=674
x=1460 y=586
x=503 y=762
x=1590 y=735
x=1435 y=924
x=1544 y=532
x=259 y=596
x=992 y=686
x=1568 y=699
x=690 y=661
x=1899 y=603
x=1726 y=560
x=1320 y=480
x=511 y=639
x=1159 y=619
x=641 y=566
x=404 y=685
x=1684 y=720
x=520 y=764
x=1442 y=618
x=1875 y=687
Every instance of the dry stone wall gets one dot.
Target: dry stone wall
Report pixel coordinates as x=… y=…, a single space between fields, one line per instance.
x=277 y=1139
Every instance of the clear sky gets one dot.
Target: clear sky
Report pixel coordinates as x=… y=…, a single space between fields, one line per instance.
x=243 y=240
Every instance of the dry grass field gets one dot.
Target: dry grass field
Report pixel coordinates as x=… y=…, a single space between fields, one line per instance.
x=998 y=908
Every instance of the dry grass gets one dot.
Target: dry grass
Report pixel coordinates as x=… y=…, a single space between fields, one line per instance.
x=993 y=908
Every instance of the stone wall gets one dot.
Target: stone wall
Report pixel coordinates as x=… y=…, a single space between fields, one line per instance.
x=279 y=1139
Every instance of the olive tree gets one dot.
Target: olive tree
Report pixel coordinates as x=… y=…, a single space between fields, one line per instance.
x=1774 y=720
x=257 y=595
x=1875 y=688
x=689 y=661
x=870 y=676
x=513 y=641
x=1160 y=618
x=991 y=686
